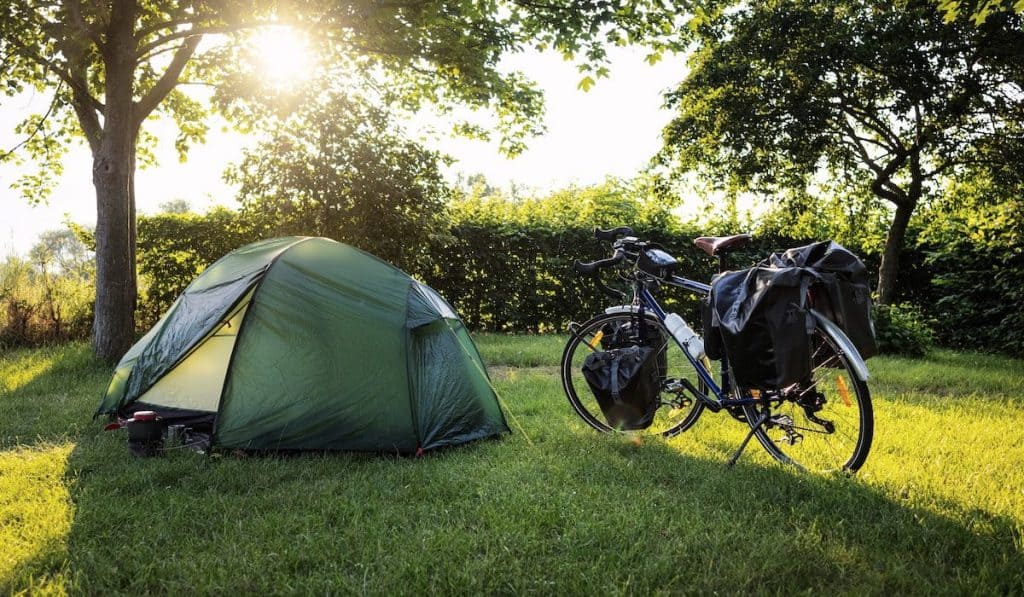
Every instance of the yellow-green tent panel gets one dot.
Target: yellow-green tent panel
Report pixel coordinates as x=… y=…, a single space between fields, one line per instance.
x=196 y=382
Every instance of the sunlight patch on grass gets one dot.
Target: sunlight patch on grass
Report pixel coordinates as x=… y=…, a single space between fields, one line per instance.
x=17 y=373
x=35 y=518
x=962 y=455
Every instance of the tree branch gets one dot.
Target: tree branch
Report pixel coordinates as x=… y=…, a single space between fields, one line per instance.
x=861 y=150
x=208 y=30
x=38 y=127
x=167 y=81
x=88 y=120
x=871 y=121
x=884 y=187
x=61 y=73
x=171 y=24
x=75 y=10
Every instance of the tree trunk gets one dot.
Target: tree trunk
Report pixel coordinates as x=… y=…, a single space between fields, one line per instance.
x=112 y=172
x=891 y=257
x=114 y=323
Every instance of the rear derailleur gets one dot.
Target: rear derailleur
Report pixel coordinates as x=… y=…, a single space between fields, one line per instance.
x=812 y=401
x=789 y=433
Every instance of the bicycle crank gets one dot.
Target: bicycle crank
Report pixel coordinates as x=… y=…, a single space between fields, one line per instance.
x=679 y=401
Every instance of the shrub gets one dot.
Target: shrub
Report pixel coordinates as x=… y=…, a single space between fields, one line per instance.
x=40 y=305
x=976 y=241
x=902 y=329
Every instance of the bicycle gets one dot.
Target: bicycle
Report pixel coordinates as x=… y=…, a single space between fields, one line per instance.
x=823 y=424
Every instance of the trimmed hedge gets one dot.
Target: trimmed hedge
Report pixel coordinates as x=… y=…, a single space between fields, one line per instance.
x=500 y=277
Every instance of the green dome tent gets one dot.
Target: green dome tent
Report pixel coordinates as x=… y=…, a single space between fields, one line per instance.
x=309 y=344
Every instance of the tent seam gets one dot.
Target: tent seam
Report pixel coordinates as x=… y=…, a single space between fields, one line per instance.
x=408 y=372
x=220 y=321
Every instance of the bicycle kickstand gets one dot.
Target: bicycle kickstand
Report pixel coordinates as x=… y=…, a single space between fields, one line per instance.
x=753 y=429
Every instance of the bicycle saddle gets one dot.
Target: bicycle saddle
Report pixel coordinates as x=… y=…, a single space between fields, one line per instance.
x=713 y=245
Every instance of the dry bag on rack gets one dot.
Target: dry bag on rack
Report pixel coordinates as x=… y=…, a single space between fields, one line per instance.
x=840 y=291
x=759 y=317
x=626 y=383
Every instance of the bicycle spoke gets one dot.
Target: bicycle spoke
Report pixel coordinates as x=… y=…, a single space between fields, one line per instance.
x=845 y=401
x=675 y=411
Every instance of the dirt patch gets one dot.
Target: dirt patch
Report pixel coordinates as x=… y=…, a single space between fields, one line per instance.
x=503 y=372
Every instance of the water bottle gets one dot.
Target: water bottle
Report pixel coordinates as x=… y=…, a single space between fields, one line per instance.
x=685 y=335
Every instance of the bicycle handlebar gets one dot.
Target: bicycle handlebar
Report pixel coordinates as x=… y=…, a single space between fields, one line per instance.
x=590 y=268
x=612 y=233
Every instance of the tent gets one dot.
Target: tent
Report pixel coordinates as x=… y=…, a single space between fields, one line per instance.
x=305 y=343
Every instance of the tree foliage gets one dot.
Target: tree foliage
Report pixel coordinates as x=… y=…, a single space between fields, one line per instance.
x=111 y=64
x=342 y=168
x=978 y=11
x=46 y=297
x=879 y=96
x=975 y=242
x=174 y=248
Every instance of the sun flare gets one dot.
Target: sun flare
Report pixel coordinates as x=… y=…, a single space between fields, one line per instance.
x=283 y=57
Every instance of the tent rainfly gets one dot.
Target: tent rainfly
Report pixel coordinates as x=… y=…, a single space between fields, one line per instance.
x=308 y=344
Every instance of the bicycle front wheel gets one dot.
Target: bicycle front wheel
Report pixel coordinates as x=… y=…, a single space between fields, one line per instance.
x=824 y=424
x=677 y=410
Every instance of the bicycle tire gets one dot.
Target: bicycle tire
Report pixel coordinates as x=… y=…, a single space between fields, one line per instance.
x=580 y=397
x=826 y=455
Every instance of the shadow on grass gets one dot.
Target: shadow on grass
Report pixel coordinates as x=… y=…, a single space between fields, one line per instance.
x=570 y=514
x=571 y=511
x=48 y=395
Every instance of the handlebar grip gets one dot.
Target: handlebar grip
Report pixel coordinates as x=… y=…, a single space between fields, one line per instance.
x=588 y=269
x=612 y=233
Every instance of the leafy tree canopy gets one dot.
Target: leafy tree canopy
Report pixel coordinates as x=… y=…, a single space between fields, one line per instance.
x=341 y=168
x=61 y=252
x=175 y=206
x=879 y=95
x=978 y=10
x=412 y=52
x=611 y=203
x=111 y=64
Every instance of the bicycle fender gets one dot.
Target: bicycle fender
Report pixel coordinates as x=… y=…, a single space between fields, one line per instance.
x=622 y=309
x=860 y=368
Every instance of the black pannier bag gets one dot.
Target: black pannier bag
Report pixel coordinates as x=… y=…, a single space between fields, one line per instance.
x=626 y=383
x=713 y=347
x=760 y=319
x=840 y=291
x=625 y=334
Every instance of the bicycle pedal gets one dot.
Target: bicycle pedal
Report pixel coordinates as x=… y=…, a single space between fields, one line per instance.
x=780 y=421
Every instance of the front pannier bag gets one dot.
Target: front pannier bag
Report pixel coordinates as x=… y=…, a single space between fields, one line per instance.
x=626 y=383
x=621 y=335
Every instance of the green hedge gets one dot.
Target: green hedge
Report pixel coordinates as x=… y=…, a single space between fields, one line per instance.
x=503 y=278
x=500 y=277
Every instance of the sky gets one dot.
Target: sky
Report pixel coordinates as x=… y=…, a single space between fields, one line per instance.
x=611 y=130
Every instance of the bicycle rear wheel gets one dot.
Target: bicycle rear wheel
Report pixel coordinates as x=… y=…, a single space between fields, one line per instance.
x=677 y=409
x=823 y=425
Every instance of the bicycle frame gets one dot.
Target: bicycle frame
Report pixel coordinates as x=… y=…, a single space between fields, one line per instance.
x=643 y=297
x=646 y=299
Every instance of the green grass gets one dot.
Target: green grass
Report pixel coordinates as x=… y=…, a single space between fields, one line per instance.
x=554 y=508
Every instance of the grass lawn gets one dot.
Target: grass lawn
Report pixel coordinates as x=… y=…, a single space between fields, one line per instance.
x=554 y=508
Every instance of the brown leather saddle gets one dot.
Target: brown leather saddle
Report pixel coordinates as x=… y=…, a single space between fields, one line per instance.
x=714 y=245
